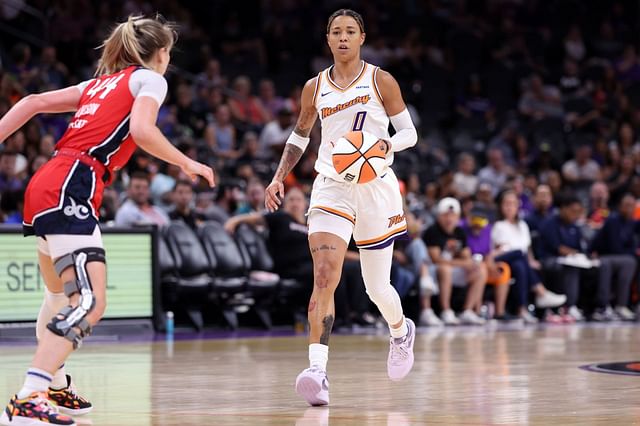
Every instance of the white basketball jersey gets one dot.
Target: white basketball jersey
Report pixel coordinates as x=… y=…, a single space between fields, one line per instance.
x=357 y=106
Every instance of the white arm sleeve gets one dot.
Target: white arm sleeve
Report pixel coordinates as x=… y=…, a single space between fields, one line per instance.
x=406 y=135
x=83 y=85
x=144 y=82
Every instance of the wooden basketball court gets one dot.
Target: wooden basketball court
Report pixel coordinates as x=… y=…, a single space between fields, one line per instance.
x=464 y=376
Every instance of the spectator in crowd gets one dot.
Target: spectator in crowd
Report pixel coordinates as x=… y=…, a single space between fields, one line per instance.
x=270 y=100
x=275 y=133
x=485 y=200
x=561 y=238
x=478 y=231
x=9 y=181
x=542 y=210
x=598 y=205
x=582 y=170
x=616 y=246
x=228 y=196
x=465 y=182
x=183 y=205
x=496 y=172
x=539 y=101
x=246 y=109
x=137 y=209
x=255 y=197
x=511 y=239
x=447 y=246
x=220 y=135
x=287 y=236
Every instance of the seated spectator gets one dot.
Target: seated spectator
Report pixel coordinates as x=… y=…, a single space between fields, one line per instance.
x=485 y=201
x=465 y=181
x=598 y=205
x=220 y=135
x=496 y=172
x=447 y=246
x=246 y=109
x=228 y=195
x=9 y=181
x=288 y=236
x=539 y=101
x=511 y=239
x=542 y=210
x=254 y=198
x=560 y=237
x=183 y=205
x=271 y=102
x=478 y=232
x=581 y=171
x=616 y=245
x=274 y=135
x=138 y=210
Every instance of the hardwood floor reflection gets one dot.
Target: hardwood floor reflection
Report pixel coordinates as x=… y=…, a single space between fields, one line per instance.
x=461 y=377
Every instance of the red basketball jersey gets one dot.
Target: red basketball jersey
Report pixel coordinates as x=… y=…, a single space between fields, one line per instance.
x=100 y=126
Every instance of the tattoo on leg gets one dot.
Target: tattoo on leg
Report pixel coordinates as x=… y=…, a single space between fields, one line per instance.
x=327 y=325
x=322 y=247
x=312 y=305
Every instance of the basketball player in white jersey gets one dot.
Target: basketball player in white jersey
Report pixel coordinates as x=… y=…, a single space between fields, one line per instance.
x=350 y=95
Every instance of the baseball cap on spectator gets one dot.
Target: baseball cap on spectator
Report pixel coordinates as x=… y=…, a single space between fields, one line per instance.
x=479 y=218
x=448 y=204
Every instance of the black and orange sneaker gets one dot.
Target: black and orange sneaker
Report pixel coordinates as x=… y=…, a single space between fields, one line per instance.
x=33 y=410
x=68 y=401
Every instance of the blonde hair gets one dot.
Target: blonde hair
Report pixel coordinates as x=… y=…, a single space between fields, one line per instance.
x=135 y=42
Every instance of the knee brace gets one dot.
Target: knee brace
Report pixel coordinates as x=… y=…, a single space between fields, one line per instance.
x=71 y=322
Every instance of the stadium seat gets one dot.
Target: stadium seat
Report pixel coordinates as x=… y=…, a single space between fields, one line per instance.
x=229 y=268
x=193 y=284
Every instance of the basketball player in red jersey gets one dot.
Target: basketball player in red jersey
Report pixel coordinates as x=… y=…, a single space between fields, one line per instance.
x=351 y=95
x=114 y=113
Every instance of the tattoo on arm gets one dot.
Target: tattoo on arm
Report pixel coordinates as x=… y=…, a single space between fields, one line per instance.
x=327 y=325
x=290 y=158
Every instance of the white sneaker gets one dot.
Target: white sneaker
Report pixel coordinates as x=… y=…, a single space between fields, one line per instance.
x=550 y=300
x=400 y=360
x=528 y=318
x=449 y=317
x=625 y=313
x=575 y=313
x=430 y=319
x=313 y=385
x=471 y=318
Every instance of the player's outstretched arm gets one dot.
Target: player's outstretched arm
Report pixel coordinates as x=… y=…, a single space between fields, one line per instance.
x=406 y=135
x=63 y=100
x=294 y=148
x=147 y=136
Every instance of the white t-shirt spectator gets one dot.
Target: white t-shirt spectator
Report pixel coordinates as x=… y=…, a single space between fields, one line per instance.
x=464 y=184
x=588 y=171
x=507 y=236
x=129 y=214
x=273 y=135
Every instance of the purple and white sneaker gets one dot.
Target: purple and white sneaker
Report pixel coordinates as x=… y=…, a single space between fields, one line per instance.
x=313 y=385
x=400 y=359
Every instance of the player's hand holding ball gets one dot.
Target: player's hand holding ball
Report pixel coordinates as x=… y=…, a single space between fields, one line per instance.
x=360 y=157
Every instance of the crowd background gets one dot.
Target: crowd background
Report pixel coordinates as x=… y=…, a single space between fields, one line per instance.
x=506 y=94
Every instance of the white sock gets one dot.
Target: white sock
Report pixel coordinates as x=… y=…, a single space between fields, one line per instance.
x=36 y=381
x=59 y=379
x=400 y=332
x=51 y=305
x=318 y=355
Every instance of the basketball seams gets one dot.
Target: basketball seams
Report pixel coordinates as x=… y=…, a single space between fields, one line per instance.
x=356 y=140
x=350 y=164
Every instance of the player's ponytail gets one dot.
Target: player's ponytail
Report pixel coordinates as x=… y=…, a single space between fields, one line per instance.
x=134 y=42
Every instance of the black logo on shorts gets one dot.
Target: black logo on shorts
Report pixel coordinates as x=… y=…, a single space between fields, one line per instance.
x=349 y=177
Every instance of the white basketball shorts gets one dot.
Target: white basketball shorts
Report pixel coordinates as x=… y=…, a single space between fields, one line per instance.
x=372 y=212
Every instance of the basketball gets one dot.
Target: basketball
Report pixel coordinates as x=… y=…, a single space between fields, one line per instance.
x=359 y=157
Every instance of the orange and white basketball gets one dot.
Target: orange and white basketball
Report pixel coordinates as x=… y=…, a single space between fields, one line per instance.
x=359 y=157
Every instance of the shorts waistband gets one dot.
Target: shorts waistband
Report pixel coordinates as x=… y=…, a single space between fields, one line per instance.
x=86 y=159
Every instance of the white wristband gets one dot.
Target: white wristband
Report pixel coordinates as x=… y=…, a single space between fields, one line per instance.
x=299 y=141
